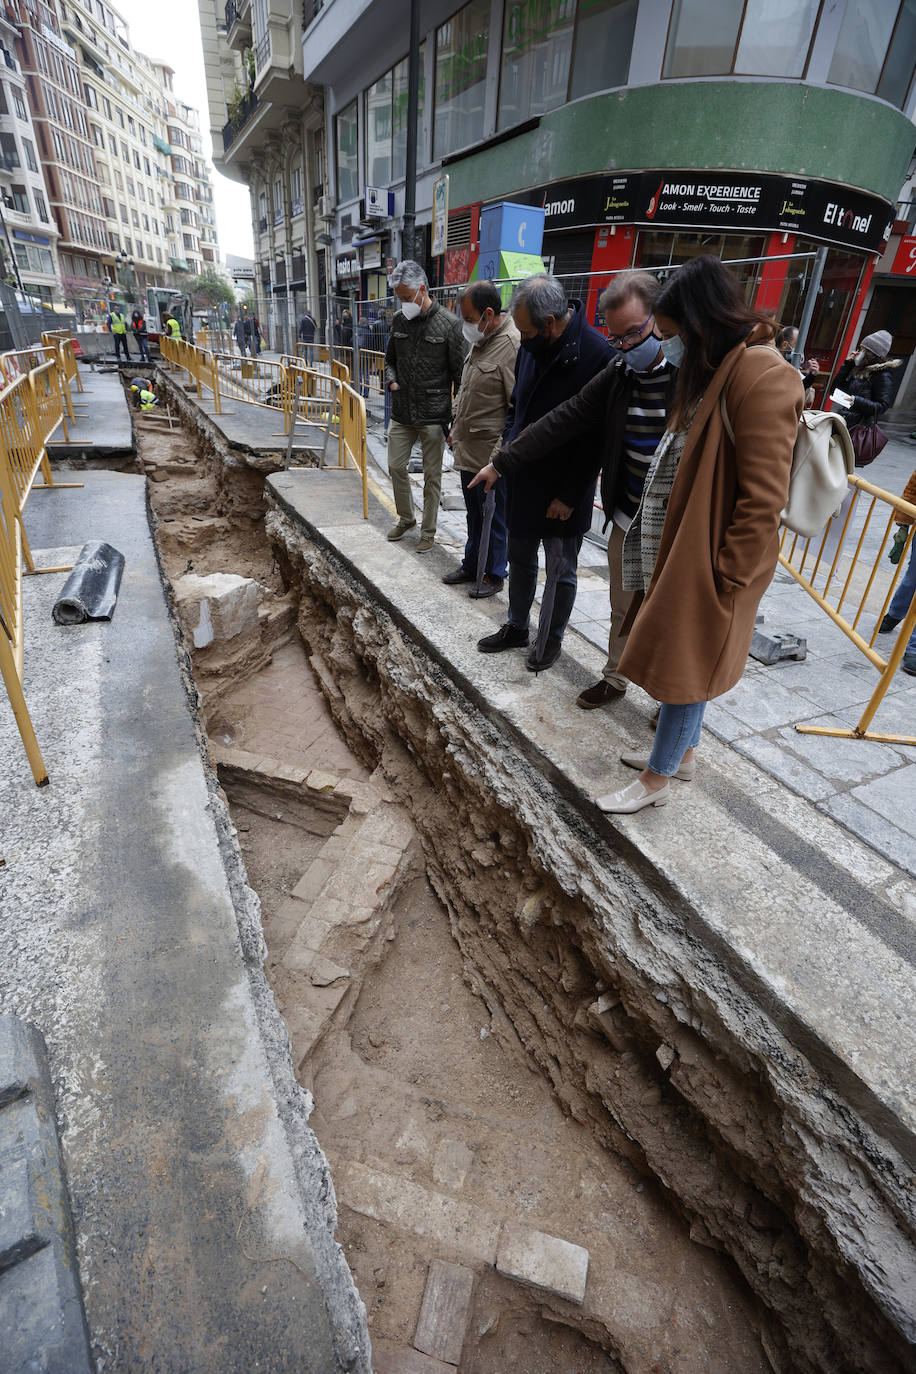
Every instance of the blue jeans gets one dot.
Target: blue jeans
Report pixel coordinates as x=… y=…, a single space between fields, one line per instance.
x=143 y=347
x=903 y=596
x=523 y=582
x=678 y=730
x=499 y=535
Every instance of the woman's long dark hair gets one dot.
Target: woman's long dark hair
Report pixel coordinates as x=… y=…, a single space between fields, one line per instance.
x=705 y=301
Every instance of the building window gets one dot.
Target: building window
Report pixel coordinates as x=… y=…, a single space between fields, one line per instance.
x=106 y=106
x=399 y=113
x=295 y=190
x=756 y=38
x=19 y=103
x=30 y=158
x=9 y=151
x=378 y=132
x=4 y=108
x=604 y=41
x=461 y=74
x=21 y=200
x=125 y=153
x=108 y=207
x=278 y=201
x=874 y=52
x=534 y=69
x=92 y=99
x=347 y=158
x=119 y=114
x=41 y=207
x=125 y=217
x=262 y=211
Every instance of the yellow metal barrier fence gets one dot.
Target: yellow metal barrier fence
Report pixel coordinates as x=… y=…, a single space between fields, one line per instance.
x=857 y=585
x=31 y=408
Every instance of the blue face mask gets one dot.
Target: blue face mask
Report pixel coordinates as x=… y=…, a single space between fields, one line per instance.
x=642 y=355
x=673 y=349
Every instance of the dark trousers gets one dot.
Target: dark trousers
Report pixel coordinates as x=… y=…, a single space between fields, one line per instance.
x=143 y=346
x=120 y=341
x=523 y=581
x=473 y=504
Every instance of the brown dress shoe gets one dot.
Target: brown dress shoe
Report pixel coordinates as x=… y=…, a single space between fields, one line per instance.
x=599 y=695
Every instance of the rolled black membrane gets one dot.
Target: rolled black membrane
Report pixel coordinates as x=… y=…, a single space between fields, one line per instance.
x=91 y=590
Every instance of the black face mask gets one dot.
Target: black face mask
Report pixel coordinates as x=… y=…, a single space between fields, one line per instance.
x=538 y=346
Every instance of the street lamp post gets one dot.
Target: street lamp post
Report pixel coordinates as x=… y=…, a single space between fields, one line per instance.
x=126 y=264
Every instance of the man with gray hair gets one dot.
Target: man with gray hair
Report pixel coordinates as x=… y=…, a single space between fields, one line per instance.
x=552 y=499
x=621 y=415
x=423 y=362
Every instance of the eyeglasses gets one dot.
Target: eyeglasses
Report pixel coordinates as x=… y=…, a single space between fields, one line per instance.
x=630 y=337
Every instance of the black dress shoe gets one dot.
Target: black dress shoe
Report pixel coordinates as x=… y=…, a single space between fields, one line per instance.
x=551 y=654
x=454 y=579
x=489 y=587
x=506 y=637
x=889 y=623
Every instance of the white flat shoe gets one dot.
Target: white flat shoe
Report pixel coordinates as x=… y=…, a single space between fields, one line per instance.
x=685 y=772
x=632 y=798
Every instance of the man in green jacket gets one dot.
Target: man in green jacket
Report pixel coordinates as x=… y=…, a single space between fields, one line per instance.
x=423 y=363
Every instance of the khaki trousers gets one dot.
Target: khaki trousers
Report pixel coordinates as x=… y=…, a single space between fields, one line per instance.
x=621 y=599
x=401 y=439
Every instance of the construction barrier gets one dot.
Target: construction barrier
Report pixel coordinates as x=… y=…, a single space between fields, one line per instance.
x=848 y=586
x=31 y=408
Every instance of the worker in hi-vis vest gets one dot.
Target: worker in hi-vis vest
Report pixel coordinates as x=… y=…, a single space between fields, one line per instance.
x=173 y=328
x=117 y=326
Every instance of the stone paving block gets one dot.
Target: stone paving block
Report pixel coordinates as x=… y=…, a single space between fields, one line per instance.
x=323 y=973
x=287 y=922
x=42 y=1323
x=321 y=781
x=888 y=796
x=452 y=1161
x=319 y=872
x=544 y=1261
x=874 y=829
x=458 y=1226
x=847 y=761
x=313 y=932
x=761 y=710
x=780 y=763
x=444 y=1312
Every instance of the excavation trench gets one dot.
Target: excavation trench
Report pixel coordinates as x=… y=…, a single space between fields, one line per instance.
x=486 y=1074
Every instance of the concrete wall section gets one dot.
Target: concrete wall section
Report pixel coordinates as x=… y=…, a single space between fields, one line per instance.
x=769 y=126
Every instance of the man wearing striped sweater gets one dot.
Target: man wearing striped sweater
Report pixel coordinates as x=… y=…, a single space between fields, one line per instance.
x=623 y=411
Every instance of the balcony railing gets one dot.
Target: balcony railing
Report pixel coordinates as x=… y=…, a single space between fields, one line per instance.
x=310 y=10
x=233 y=126
x=232 y=13
x=262 y=52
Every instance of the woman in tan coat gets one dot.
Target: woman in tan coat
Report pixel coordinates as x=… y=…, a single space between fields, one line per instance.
x=704 y=541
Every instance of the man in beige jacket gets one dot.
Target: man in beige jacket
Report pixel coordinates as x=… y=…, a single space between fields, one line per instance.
x=480 y=415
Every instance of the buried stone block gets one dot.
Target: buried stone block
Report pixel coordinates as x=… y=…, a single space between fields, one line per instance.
x=444 y=1314
x=544 y=1261
x=217 y=607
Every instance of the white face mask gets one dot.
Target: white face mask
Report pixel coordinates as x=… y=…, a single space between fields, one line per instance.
x=410 y=309
x=673 y=349
x=472 y=332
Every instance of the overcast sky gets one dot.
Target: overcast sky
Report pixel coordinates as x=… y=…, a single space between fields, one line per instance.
x=170 y=29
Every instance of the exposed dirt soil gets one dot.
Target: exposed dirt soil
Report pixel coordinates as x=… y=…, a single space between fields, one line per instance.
x=424 y=1083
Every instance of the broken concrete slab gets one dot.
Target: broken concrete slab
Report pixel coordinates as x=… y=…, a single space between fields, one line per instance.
x=444 y=1313
x=387 y=1360
x=543 y=1261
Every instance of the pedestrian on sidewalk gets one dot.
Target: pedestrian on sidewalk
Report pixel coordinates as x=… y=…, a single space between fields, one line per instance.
x=487 y=382
x=117 y=327
x=621 y=414
x=307 y=328
x=238 y=330
x=138 y=325
x=902 y=599
x=256 y=337
x=423 y=362
x=704 y=542
x=866 y=376
x=552 y=499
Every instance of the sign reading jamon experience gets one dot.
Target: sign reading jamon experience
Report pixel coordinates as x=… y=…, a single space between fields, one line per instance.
x=684 y=199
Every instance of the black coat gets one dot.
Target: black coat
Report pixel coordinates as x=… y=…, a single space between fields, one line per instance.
x=569 y=473
x=597 y=414
x=425 y=356
x=873 y=389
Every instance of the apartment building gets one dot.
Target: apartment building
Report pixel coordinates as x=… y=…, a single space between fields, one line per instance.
x=121 y=154
x=267 y=126
x=29 y=231
x=648 y=130
x=54 y=85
